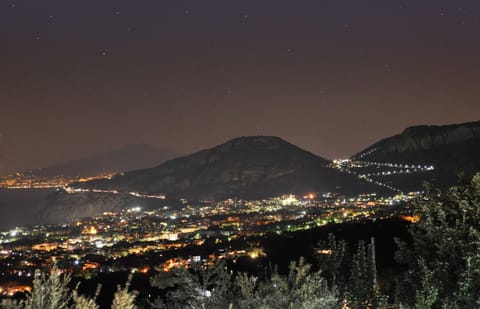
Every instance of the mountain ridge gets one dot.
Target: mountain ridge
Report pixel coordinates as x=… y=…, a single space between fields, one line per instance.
x=253 y=167
x=452 y=149
x=249 y=166
x=127 y=157
x=429 y=136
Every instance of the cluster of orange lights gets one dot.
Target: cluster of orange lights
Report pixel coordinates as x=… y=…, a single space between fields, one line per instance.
x=14 y=289
x=174 y=263
x=310 y=196
x=90 y=231
x=102 y=176
x=145 y=270
x=256 y=253
x=411 y=219
x=90 y=266
x=325 y=251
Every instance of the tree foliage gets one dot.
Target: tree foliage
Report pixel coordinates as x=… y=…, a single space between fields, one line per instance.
x=353 y=271
x=51 y=291
x=301 y=288
x=84 y=302
x=123 y=298
x=333 y=260
x=362 y=290
x=444 y=259
x=197 y=287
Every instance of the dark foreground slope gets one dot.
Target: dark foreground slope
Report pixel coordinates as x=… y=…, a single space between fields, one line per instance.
x=246 y=167
x=451 y=149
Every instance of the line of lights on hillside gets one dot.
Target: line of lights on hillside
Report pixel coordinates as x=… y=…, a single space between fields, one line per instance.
x=348 y=166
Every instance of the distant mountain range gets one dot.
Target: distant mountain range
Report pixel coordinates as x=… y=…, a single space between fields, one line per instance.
x=266 y=166
x=245 y=167
x=451 y=149
x=129 y=157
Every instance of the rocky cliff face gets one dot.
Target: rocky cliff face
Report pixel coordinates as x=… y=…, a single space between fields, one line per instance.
x=60 y=207
x=422 y=138
x=451 y=149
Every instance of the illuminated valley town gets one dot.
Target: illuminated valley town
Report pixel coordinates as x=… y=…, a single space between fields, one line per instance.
x=165 y=238
x=239 y=154
x=104 y=243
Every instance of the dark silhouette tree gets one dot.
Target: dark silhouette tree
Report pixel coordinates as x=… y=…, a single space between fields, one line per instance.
x=444 y=259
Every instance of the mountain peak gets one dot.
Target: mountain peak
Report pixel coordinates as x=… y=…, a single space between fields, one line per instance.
x=256 y=139
x=248 y=166
x=257 y=142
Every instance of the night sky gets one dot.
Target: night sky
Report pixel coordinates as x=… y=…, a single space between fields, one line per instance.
x=78 y=77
